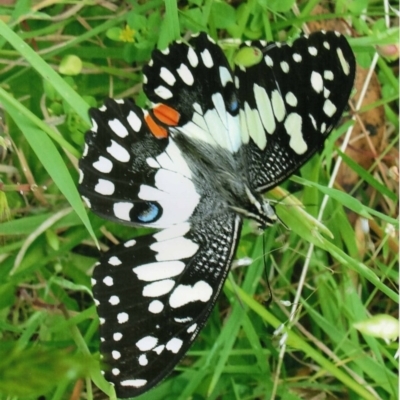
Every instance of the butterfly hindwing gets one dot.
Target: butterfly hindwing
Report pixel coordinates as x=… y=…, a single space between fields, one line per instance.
x=154 y=294
x=290 y=101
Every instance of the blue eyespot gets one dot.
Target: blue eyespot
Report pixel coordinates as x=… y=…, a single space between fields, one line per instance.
x=149 y=212
x=233 y=104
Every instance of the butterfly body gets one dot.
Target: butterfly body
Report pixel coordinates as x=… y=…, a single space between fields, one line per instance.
x=195 y=165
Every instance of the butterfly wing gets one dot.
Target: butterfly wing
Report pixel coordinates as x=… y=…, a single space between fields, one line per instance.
x=191 y=87
x=290 y=101
x=131 y=176
x=154 y=293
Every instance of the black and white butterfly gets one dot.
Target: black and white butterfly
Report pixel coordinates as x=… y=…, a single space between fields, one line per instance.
x=194 y=165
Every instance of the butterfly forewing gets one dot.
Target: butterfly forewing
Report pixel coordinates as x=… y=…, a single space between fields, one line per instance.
x=196 y=81
x=153 y=295
x=290 y=102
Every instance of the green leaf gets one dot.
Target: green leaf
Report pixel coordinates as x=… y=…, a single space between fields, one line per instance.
x=223 y=14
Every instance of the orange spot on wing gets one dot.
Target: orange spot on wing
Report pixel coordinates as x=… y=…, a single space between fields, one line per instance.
x=158 y=131
x=166 y=115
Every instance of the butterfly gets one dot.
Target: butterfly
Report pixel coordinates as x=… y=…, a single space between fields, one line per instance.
x=194 y=165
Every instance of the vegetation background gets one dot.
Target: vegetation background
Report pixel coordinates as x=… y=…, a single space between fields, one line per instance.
x=57 y=58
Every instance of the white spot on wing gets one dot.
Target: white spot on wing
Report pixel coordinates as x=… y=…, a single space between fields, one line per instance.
x=122 y=210
x=328 y=75
x=87 y=201
x=293 y=125
x=316 y=81
x=104 y=187
x=130 y=243
x=115 y=371
x=118 y=128
x=103 y=165
x=159 y=270
x=122 y=317
x=329 y=108
x=113 y=300
x=191 y=328
x=255 y=127
x=134 y=121
x=297 y=57
x=108 y=281
x=116 y=354
x=174 y=345
x=184 y=294
x=192 y=58
x=185 y=74
x=114 y=261
x=159 y=288
x=143 y=360
x=134 y=382
x=278 y=105
x=167 y=76
x=147 y=343
x=269 y=61
x=117 y=336
x=291 y=99
x=159 y=349
x=155 y=307
x=151 y=162
x=118 y=152
x=263 y=103
x=163 y=92
x=313 y=50
x=174 y=249
x=172 y=232
x=327 y=45
x=94 y=126
x=207 y=59
x=314 y=123
x=343 y=62
x=285 y=66
x=224 y=76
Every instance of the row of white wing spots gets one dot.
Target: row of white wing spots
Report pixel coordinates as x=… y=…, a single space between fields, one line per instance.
x=172 y=191
x=185 y=294
x=118 y=128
